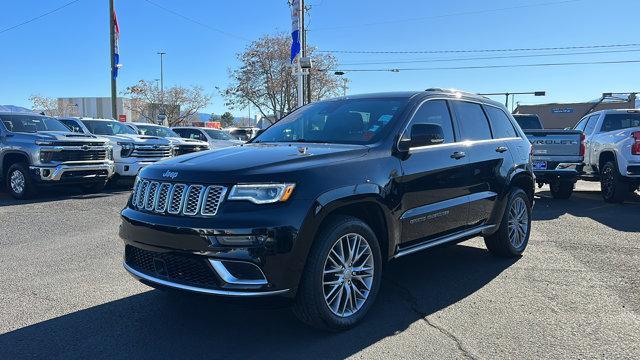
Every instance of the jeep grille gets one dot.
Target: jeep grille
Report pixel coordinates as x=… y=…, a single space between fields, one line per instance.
x=177 y=199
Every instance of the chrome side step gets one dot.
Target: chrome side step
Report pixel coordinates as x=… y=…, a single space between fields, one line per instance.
x=445 y=239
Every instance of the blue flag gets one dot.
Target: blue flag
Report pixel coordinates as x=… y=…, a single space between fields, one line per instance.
x=295 y=44
x=295 y=29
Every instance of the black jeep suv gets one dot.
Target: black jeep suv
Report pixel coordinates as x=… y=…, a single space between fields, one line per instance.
x=311 y=208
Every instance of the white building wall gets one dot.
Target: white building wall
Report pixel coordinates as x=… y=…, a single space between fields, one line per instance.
x=99 y=107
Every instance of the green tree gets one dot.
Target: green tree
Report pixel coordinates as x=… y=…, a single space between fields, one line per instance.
x=226 y=119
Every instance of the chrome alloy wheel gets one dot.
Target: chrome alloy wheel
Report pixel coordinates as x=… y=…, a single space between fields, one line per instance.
x=348 y=275
x=518 y=222
x=17 y=182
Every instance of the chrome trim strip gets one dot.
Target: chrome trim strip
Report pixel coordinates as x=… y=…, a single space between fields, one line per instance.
x=442 y=240
x=138 y=275
x=227 y=277
x=441 y=205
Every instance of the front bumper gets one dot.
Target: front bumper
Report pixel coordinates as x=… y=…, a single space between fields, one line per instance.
x=73 y=172
x=131 y=168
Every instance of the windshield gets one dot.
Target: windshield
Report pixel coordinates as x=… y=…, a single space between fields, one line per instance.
x=100 y=127
x=31 y=123
x=218 y=135
x=613 y=122
x=345 y=121
x=159 y=131
x=528 y=122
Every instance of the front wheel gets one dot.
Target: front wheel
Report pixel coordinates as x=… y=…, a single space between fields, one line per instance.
x=342 y=276
x=515 y=227
x=19 y=182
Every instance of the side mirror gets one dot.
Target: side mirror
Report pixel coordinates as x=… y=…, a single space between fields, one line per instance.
x=426 y=135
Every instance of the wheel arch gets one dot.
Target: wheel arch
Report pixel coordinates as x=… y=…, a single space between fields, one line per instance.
x=9 y=158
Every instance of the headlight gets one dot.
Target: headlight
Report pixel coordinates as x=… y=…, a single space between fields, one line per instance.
x=126 y=149
x=262 y=193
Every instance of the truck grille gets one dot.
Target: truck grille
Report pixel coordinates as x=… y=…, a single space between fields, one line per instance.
x=177 y=199
x=151 y=151
x=187 y=149
x=73 y=155
x=189 y=270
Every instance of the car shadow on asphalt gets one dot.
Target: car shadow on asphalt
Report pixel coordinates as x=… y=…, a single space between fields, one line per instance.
x=155 y=324
x=59 y=193
x=589 y=204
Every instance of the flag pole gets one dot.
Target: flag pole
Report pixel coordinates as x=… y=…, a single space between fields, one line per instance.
x=112 y=73
x=300 y=73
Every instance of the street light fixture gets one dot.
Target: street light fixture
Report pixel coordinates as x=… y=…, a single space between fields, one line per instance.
x=507 y=94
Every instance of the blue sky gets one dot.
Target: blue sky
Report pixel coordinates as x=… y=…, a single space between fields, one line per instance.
x=65 y=54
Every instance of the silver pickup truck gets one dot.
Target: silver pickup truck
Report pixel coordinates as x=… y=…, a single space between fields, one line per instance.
x=36 y=151
x=557 y=155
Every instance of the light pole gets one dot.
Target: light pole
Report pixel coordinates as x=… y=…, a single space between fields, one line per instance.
x=162 y=113
x=507 y=94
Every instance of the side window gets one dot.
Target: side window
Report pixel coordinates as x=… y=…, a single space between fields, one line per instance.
x=591 y=124
x=434 y=112
x=500 y=123
x=198 y=134
x=581 y=124
x=473 y=122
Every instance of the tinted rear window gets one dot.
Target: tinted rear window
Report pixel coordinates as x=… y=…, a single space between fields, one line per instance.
x=528 y=122
x=613 y=122
x=473 y=122
x=500 y=123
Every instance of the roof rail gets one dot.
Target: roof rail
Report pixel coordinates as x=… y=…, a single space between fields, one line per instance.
x=452 y=91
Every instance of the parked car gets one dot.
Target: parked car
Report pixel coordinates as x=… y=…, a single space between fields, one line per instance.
x=612 y=151
x=181 y=145
x=131 y=152
x=216 y=138
x=37 y=151
x=557 y=155
x=312 y=207
x=242 y=133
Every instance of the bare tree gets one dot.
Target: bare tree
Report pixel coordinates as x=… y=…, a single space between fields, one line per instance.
x=53 y=107
x=180 y=103
x=265 y=79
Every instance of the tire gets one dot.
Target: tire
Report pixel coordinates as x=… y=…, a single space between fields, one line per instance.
x=18 y=182
x=94 y=187
x=612 y=185
x=335 y=314
x=508 y=241
x=562 y=189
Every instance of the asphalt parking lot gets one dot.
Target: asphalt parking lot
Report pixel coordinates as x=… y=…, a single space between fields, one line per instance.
x=574 y=294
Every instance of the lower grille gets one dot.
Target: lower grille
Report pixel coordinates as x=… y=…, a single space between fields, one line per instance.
x=183 y=269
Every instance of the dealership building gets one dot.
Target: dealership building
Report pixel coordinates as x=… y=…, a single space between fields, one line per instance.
x=564 y=115
x=99 y=107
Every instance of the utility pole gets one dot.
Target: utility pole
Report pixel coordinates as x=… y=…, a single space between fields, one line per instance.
x=112 y=42
x=300 y=73
x=304 y=54
x=162 y=111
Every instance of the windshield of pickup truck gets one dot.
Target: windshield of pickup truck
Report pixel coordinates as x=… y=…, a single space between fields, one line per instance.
x=613 y=122
x=218 y=135
x=100 y=127
x=528 y=122
x=159 y=131
x=345 y=121
x=31 y=123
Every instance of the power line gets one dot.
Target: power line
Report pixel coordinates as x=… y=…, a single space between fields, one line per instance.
x=473 y=12
x=486 y=57
x=490 y=66
x=38 y=17
x=197 y=22
x=607 y=46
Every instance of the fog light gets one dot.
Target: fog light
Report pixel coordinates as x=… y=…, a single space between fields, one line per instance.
x=126 y=168
x=46 y=173
x=239 y=240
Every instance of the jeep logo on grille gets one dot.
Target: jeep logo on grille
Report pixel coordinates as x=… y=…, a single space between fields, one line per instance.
x=170 y=174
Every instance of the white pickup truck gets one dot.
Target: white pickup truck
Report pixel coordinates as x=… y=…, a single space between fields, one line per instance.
x=556 y=157
x=612 y=151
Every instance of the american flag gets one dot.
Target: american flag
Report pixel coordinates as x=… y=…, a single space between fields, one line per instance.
x=116 y=51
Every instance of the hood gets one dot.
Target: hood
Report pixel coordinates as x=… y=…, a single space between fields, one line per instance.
x=65 y=136
x=138 y=139
x=183 y=141
x=252 y=159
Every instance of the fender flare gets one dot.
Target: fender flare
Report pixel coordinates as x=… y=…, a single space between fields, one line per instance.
x=3 y=154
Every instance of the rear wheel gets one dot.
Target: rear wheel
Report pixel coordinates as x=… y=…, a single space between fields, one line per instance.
x=562 y=188
x=18 y=182
x=342 y=276
x=612 y=185
x=515 y=227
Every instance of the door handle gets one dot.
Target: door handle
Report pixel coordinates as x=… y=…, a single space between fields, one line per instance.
x=501 y=149
x=458 y=155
